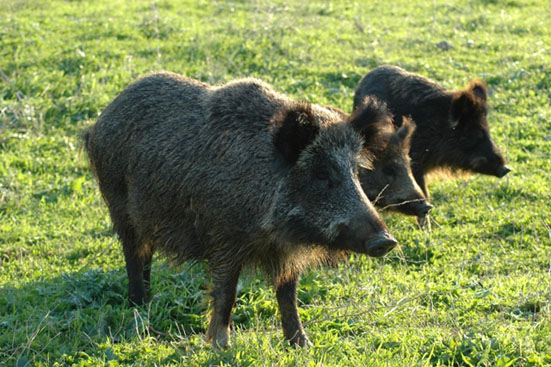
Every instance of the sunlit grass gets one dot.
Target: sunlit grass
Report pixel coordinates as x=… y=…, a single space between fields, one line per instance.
x=476 y=291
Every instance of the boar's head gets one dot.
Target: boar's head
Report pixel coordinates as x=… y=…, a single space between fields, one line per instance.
x=389 y=183
x=473 y=148
x=323 y=201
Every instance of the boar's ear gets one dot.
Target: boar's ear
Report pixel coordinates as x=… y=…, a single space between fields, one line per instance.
x=296 y=129
x=402 y=137
x=373 y=121
x=406 y=130
x=479 y=90
x=468 y=104
x=463 y=104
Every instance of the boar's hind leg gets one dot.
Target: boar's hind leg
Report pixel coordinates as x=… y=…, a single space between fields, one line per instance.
x=147 y=271
x=134 y=265
x=286 y=293
x=224 y=294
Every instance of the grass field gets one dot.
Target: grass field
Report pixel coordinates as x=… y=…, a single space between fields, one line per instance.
x=476 y=291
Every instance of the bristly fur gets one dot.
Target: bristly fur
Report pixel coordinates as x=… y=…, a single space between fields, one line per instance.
x=446 y=173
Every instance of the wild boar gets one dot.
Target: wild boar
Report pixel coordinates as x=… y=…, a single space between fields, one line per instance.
x=232 y=175
x=452 y=129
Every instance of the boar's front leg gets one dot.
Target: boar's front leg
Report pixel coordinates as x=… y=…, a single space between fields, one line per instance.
x=423 y=221
x=286 y=293
x=224 y=294
x=420 y=178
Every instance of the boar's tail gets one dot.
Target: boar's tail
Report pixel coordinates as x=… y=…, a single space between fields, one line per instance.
x=87 y=141
x=85 y=138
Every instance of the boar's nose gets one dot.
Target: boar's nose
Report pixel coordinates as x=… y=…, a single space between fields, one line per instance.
x=419 y=208
x=424 y=209
x=503 y=170
x=381 y=244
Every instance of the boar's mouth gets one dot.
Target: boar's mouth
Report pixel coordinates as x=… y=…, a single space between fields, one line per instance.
x=498 y=172
x=502 y=171
x=417 y=207
x=381 y=244
x=495 y=167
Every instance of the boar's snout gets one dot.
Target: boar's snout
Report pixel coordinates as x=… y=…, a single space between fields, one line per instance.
x=381 y=244
x=502 y=171
x=419 y=208
x=422 y=208
x=365 y=234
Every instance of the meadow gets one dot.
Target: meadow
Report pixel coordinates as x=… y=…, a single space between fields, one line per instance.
x=474 y=291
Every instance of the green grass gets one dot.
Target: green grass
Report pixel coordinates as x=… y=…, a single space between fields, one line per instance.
x=476 y=291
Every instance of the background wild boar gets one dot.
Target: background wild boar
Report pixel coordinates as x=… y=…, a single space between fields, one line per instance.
x=452 y=130
x=232 y=175
x=389 y=183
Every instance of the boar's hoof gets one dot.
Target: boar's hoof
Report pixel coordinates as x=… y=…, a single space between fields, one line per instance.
x=502 y=171
x=220 y=339
x=381 y=244
x=300 y=340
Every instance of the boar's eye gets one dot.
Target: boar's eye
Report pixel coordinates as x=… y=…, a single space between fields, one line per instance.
x=321 y=174
x=479 y=135
x=389 y=170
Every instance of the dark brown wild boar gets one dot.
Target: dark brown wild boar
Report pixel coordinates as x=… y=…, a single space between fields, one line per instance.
x=389 y=183
x=452 y=130
x=232 y=175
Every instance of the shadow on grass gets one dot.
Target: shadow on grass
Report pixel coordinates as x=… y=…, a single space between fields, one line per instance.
x=88 y=312
x=77 y=311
